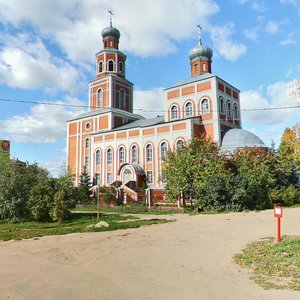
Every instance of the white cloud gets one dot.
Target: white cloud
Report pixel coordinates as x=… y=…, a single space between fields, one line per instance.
x=258 y=6
x=289 y=40
x=26 y=63
x=273 y=96
x=270 y=123
x=223 y=43
x=147 y=27
x=44 y=123
x=273 y=27
x=149 y=103
x=252 y=34
x=294 y=3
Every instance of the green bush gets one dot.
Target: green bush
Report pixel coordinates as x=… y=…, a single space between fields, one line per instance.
x=285 y=196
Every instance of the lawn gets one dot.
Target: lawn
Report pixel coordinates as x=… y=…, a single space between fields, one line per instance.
x=77 y=223
x=274 y=265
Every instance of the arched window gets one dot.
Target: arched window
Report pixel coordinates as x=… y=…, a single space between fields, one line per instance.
x=109 y=156
x=221 y=105
x=174 y=112
x=149 y=153
x=87 y=143
x=196 y=68
x=121 y=67
x=189 y=109
x=204 y=67
x=163 y=150
x=98 y=158
x=228 y=108
x=134 y=154
x=121 y=155
x=100 y=67
x=235 y=111
x=179 y=144
x=100 y=98
x=122 y=99
x=204 y=106
x=110 y=65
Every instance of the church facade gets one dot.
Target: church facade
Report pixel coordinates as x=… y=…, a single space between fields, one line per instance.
x=121 y=148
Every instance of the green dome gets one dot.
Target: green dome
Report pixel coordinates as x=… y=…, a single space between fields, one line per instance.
x=200 y=51
x=111 y=31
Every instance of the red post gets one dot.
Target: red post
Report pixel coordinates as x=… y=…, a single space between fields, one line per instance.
x=278 y=230
x=278 y=211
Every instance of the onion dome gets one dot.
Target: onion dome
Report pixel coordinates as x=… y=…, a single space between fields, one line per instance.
x=201 y=52
x=111 y=31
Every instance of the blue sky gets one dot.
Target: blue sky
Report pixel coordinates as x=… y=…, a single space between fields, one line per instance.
x=47 y=51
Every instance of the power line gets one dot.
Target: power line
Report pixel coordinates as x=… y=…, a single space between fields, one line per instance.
x=135 y=109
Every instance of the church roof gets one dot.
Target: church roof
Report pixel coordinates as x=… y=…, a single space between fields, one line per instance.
x=192 y=79
x=142 y=123
x=239 y=138
x=104 y=111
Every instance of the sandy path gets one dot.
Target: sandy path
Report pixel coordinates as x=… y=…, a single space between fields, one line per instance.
x=187 y=259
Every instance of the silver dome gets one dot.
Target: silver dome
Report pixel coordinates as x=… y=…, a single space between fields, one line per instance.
x=239 y=138
x=111 y=31
x=200 y=51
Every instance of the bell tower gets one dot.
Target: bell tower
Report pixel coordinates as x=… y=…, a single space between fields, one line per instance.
x=200 y=57
x=110 y=89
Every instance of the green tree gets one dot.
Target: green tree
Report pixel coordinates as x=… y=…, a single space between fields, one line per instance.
x=84 y=187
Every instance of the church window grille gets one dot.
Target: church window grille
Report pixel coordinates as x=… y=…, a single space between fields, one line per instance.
x=150 y=176
x=189 y=109
x=109 y=156
x=164 y=151
x=121 y=155
x=98 y=158
x=134 y=154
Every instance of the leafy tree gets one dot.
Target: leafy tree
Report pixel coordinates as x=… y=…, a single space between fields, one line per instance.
x=16 y=182
x=41 y=199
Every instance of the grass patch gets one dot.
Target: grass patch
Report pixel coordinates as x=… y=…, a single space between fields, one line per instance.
x=136 y=209
x=78 y=223
x=274 y=266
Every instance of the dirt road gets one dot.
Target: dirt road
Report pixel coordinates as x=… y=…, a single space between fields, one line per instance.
x=187 y=259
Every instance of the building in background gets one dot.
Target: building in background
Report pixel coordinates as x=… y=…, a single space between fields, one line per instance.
x=4 y=150
x=123 y=149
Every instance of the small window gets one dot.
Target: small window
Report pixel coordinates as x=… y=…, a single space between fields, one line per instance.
x=98 y=158
x=87 y=125
x=109 y=178
x=110 y=43
x=179 y=144
x=100 y=98
x=228 y=109
x=174 y=112
x=221 y=105
x=235 y=111
x=87 y=161
x=109 y=156
x=189 y=109
x=134 y=154
x=98 y=179
x=110 y=65
x=122 y=99
x=121 y=67
x=87 y=143
x=100 y=67
x=204 y=67
x=204 y=106
x=163 y=150
x=150 y=176
x=121 y=155
x=149 y=153
x=196 y=68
